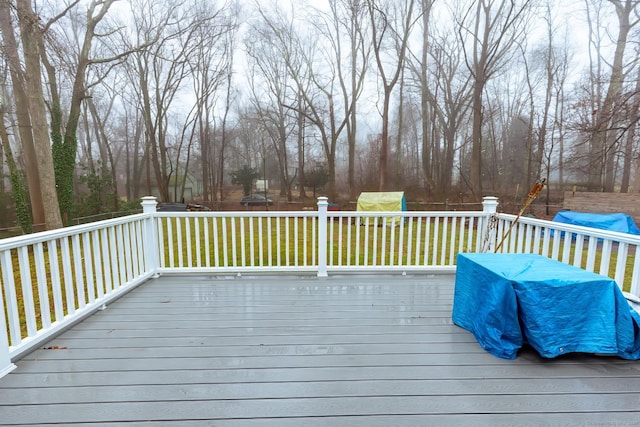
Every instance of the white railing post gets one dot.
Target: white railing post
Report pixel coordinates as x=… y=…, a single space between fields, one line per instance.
x=150 y=239
x=488 y=236
x=323 y=204
x=5 y=359
x=489 y=205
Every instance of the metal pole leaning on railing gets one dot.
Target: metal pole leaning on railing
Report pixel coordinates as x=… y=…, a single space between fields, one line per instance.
x=533 y=193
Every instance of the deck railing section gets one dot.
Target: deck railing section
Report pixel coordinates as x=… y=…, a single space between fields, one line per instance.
x=611 y=254
x=401 y=241
x=52 y=279
x=237 y=242
x=319 y=242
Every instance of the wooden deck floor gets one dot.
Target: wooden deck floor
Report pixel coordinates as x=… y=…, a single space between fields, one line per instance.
x=345 y=351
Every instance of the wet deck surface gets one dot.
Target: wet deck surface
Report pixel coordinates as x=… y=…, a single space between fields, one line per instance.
x=291 y=351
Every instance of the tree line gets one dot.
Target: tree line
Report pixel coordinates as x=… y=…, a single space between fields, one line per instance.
x=103 y=102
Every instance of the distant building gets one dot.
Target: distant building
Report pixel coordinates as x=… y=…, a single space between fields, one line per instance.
x=262 y=185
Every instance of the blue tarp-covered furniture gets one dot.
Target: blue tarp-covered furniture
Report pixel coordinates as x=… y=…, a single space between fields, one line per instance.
x=506 y=300
x=612 y=222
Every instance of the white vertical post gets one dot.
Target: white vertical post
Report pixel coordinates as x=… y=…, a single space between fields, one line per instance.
x=150 y=238
x=323 y=205
x=489 y=207
x=5 y=359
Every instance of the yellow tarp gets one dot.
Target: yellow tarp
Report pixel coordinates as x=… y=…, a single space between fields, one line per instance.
x=382 y=201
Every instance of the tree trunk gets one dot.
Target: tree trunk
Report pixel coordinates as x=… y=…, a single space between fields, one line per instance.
x=65 y=158
x=107 y=158
x=204 y=151
x=301 y=179
x=352 y=121
x=603 y=137
x=18 y=191
x=425 y=106
x=399 y=151
x=480 y=79
x=636 y=179
x=30 y=34
x=384 y=142
x=224 y=136
x=401 y=37
x=630 y=137
x=475 y=176
x=24 y=119
x=551 y=74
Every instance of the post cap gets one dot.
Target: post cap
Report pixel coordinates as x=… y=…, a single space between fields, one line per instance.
x=149 y=204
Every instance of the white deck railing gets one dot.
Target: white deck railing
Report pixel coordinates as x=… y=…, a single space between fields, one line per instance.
x=314 y=242
x=53 y=279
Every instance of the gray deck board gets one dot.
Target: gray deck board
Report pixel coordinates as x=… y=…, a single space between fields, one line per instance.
x=263 y=351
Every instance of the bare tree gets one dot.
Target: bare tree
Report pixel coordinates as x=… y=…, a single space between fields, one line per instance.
x=131 y=125
x=533 y=164
x=444 y=88
x=552 y=65
x=550 y=131
x=64 y=125
x=315 y=69
x=493 y=27
x=229 y=95
x=419 y=65
x=108 y=164
x=326 y=80
x=272 y=95
x=349 y=16
x=604 y=138
x=559 y=128
x=212 y=69
x=161 y=71
x=391 y=25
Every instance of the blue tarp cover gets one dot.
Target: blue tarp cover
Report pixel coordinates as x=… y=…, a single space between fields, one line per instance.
x=506 y=300
x=612 y=222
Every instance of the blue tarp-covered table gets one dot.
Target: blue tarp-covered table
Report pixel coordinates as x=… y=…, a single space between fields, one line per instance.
x=507 y=300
